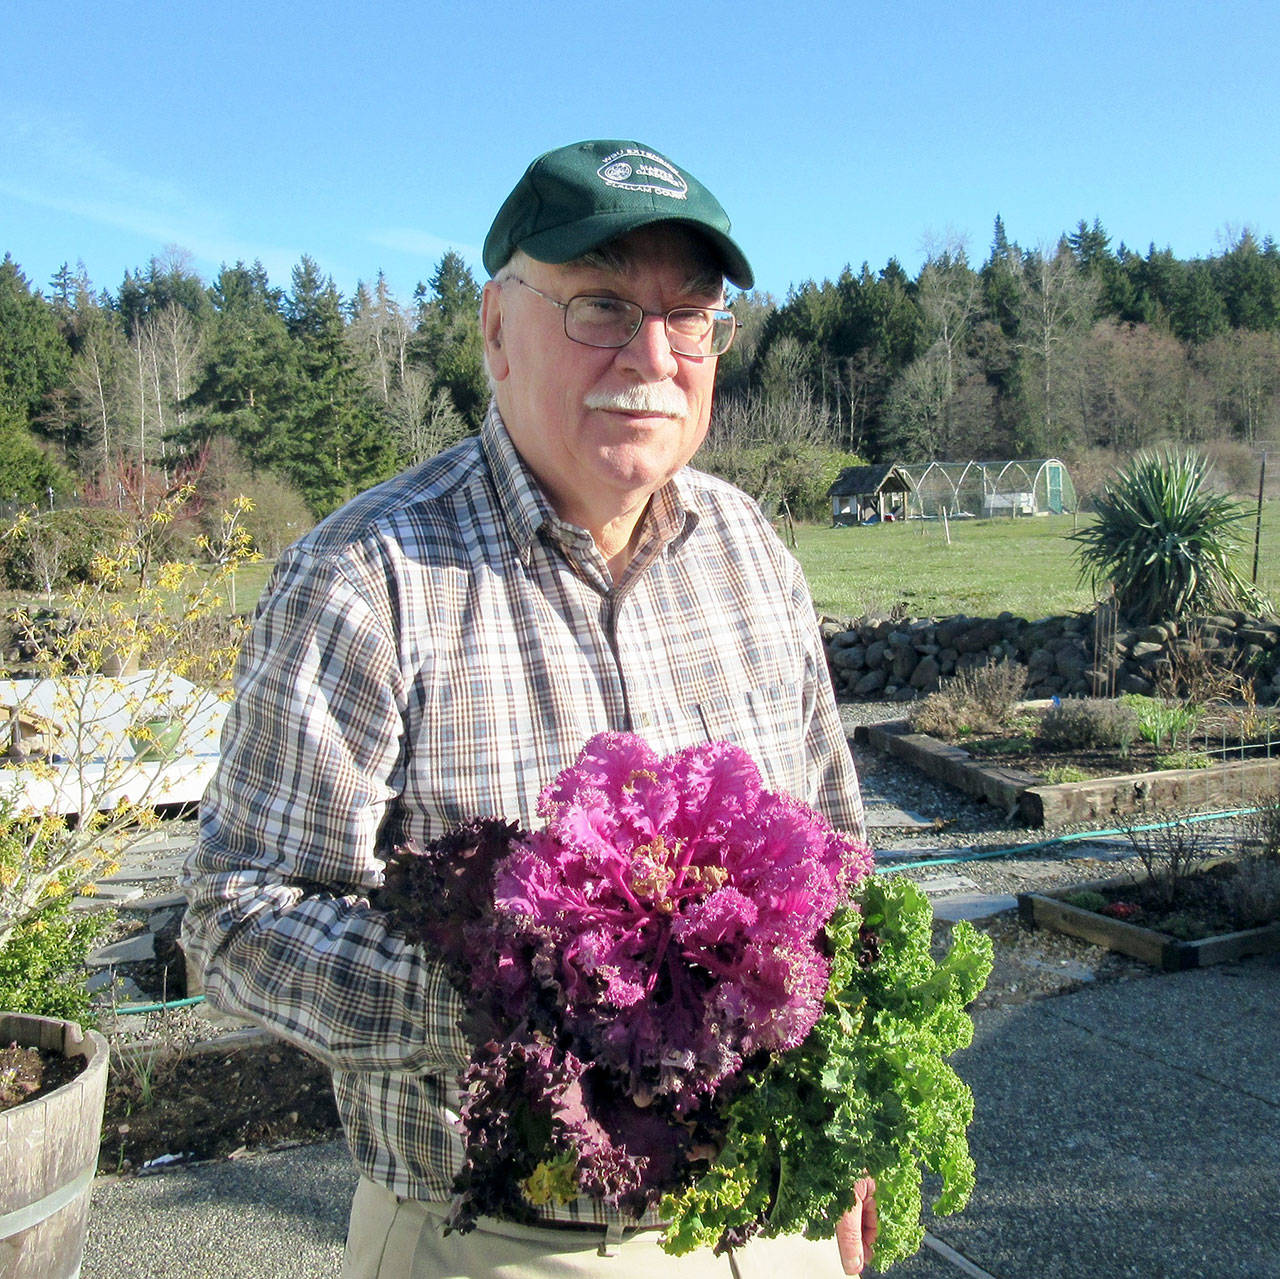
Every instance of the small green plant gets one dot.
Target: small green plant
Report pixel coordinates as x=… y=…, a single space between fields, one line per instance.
x=138 y=1063
x=1088 y=723
x=1182 y=759
x=1086 y=899
x=1056 y=773
x=1181 y=925
x=1160 y=721
x=42 y=963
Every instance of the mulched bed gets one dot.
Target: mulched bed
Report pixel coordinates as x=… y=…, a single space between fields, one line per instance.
x=210 y=1103
x=1026 y=754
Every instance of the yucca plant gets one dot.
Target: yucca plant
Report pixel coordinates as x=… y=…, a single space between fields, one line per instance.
x=1164 y=543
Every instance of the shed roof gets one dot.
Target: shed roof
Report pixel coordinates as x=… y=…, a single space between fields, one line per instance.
x=855 y=481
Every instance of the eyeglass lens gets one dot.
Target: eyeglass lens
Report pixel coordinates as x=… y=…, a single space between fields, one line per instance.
x=610 y=322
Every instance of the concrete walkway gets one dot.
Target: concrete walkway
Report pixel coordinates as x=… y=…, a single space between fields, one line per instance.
x=1124 y=1131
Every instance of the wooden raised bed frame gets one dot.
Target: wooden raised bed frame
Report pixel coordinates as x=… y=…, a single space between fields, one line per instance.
x=1040 y=803
x=1155 y=948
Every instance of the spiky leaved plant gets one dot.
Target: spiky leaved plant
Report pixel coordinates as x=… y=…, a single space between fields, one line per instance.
x=1164 y=542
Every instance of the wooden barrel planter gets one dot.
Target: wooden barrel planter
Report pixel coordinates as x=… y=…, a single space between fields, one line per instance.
x=49 y=1154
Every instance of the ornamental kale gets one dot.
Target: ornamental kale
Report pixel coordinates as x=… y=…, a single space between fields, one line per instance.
x=679 y=907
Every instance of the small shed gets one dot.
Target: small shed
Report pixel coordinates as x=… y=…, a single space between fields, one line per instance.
x=869 y=494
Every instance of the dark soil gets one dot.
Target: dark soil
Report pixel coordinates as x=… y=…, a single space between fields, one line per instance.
x=1035 y=758
x=1199 y=905
x=213 y=1102
x=28 y=1073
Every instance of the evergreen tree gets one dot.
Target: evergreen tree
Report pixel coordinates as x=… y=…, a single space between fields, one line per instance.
x=251 y=375
x=1247 y=277
x=168 y=282
x=448 y=340
x=28 y=475
x=337 y=445
x=1197 y=311
x=34 y=357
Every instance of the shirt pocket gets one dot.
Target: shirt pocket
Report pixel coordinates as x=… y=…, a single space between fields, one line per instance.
x=768 y=723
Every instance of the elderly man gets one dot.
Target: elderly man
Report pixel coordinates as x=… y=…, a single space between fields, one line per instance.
x=442 y=646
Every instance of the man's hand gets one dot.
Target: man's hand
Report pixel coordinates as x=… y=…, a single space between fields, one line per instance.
x=856 y=1230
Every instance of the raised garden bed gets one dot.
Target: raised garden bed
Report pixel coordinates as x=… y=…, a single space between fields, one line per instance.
x=1153 y=946
x=1041 y=803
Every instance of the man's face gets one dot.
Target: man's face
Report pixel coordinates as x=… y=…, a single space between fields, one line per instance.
x=599 y=464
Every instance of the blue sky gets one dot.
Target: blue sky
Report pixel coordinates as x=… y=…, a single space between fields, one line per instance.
x=375 y=137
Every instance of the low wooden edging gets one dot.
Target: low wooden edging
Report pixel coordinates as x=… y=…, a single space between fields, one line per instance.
x=1158 y=949
x=1041 y=803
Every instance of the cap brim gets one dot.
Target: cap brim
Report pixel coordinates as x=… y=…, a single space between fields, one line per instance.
x=563 y=244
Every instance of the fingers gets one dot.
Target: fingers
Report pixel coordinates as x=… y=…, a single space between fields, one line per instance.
x=856 y=1230
x=849 y=1241
x=865 y=1190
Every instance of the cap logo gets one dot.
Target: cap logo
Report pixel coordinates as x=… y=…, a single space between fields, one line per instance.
x=634 y=170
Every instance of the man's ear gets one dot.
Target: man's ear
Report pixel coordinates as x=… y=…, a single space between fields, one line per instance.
x=491 y=330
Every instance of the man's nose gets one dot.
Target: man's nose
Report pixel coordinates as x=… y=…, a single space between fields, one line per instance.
x=649 y=353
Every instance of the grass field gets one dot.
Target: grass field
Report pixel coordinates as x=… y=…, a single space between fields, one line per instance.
x=1025 y=566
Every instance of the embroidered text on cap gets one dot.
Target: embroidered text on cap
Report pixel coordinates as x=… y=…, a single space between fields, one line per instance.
x=634 y=170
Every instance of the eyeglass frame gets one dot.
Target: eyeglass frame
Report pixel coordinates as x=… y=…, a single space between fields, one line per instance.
x=665 y=315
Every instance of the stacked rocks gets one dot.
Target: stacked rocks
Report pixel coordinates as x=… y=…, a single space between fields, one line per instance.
x=1076 y=655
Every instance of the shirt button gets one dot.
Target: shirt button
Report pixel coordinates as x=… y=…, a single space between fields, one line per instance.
x=645 y=719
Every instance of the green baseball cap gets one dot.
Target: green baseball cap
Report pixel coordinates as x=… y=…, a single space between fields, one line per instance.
x=578 y=197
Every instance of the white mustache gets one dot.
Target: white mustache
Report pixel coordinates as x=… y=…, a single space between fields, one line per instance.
x=647 y=397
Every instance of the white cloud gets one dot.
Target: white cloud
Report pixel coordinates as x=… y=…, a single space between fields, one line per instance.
x=52 y=166
x=420 y=244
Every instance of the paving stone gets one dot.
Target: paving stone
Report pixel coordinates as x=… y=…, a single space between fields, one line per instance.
x=162 y=901
x=940 y=885
x=89 y=905
x=129 y=950
x=972 y=905
x=890 y=816
x=107 y=894
x=127 y=874
x=119 y=991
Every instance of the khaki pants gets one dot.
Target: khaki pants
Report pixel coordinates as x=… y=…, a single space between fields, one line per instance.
x=393 y=1238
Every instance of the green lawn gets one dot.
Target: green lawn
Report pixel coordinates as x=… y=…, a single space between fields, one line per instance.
x=1024 y=566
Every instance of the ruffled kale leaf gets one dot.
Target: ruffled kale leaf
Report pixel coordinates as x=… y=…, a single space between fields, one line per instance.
x=869 y=1091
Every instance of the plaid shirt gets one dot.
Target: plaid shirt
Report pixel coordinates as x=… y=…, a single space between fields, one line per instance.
x=437 y=650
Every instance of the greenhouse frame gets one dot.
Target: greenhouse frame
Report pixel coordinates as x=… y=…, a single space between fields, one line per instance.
x=989 y=490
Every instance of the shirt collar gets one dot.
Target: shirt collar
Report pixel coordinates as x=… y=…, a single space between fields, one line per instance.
x=672 y=510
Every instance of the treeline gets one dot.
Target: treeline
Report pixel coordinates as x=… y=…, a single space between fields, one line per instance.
x=1035 y=352
x=302 y=397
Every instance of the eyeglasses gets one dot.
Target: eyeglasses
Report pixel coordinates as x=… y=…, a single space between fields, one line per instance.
x=698 y=331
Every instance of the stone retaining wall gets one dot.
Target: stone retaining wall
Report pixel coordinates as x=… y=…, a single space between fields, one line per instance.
x=1068 y=656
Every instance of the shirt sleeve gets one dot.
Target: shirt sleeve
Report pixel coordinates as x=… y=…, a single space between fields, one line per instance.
x=279 y=883
x=835 y=789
